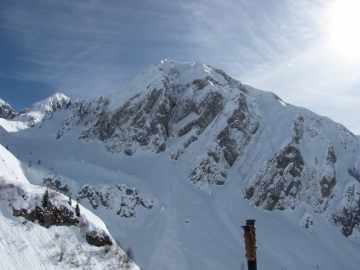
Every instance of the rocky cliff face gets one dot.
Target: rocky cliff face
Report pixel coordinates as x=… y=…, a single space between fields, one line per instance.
x=347 y=214
x=6 y=111
x=287 y=179
x=169 y=102
x=121 y=199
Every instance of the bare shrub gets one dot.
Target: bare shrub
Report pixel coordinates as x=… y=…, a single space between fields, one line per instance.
x=62 y=252
x=53 y=194
x=2 y=182
x=107 y=248
x=130 y=253
x=11 y=193
x=128 y=259
x=82 y=223
x=88 y=262
x=22 y=192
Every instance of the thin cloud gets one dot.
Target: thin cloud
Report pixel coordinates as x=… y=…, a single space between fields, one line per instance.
x=316 y=80
x=87 y=48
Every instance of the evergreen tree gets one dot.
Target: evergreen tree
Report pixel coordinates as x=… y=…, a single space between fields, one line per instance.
x=29 y=163
x=70 y=199
x=39 y=162
x=45 y=201
x=77 y=209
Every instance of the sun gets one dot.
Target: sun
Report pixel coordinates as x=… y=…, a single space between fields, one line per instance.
x=344 y=29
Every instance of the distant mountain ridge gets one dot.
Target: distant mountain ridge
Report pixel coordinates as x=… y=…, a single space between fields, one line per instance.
x=236 y=144
x=39 y=110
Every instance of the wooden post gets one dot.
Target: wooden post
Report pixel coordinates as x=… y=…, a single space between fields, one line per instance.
x=250 y=243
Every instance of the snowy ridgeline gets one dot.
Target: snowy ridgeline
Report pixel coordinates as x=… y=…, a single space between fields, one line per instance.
x=43 y=229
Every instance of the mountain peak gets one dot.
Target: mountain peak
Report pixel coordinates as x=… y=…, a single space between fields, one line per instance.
x=37 y=112
x=179 y=77
x=52 y=103
x=189 y=71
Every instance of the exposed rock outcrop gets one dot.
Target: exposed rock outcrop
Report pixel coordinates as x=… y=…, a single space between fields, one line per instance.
x=287 y=179
x=347 y=214
x=48 y=216
x=93 y=238
x=278 y=185
x=121 y=199
x=6 y=111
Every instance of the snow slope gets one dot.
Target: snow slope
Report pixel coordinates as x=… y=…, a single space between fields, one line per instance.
x=27 y=245
x=177 y=159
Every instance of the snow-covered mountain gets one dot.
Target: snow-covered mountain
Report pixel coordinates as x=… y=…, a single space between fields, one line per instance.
x=179 y=157
x=42 y=109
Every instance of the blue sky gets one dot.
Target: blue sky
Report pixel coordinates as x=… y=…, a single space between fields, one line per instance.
x=303 y=50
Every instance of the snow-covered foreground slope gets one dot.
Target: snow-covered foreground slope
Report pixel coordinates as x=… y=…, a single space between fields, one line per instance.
x=177 y=159
x=28 y=245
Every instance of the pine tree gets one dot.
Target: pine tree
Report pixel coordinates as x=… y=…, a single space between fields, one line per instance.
x=29 y=163
x=77 y=209
x=70 y=199
x=45 y=201
x=39 y=162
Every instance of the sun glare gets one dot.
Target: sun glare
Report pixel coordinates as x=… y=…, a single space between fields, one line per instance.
x=344 y=29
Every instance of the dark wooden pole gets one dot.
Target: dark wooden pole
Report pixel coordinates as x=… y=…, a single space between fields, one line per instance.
x=250 y=243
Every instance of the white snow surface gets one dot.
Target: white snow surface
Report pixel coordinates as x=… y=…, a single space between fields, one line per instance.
x=27 y=245
x=188 y=228
x=13 y=126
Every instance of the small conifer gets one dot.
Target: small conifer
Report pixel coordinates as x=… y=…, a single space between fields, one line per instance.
x=77 y=210
x=45 y=201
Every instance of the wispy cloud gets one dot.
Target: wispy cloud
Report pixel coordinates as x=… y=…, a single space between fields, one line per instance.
x=317 y=80
x=97 y=45
x=86 y=48
x=90 y=47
